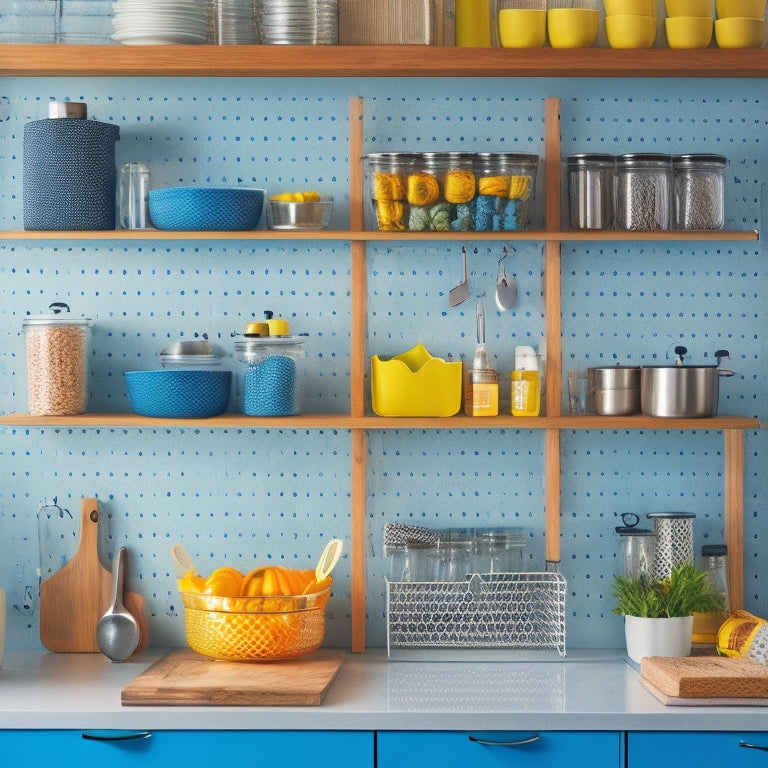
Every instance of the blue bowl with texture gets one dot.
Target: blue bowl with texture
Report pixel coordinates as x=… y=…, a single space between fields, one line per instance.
x=179 y=394
x=206 y=208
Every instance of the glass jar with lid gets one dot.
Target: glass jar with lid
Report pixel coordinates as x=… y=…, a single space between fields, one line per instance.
x=505 y=185
x=385 y=176
x=698 y=191
x=428 y=209
x=643 y=192
x=56 y=348
x=714 y=562
x=591 y=190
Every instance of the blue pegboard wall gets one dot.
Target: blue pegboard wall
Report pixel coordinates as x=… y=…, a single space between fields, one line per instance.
x=231 y=496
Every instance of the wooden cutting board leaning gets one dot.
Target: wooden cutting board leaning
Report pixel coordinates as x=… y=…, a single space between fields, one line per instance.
x=74 y=599
x=705 y=680
x=185 y=677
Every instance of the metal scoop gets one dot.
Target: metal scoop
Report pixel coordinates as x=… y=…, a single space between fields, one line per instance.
x=117 y=633
x=506 y=291
x=461 y=291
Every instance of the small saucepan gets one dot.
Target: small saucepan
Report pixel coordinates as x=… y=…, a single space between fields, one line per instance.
x=614 y=390
x=682 y=391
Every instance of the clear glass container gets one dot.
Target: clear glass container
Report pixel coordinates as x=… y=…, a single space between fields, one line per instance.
x=638 y=548
x=643 y=192
x=385 y=177
x=591 y=190
x=698 y=191
x=56 y=347
x=505 y=186
x=714 y=560
x=269 y=375
x=499 y=550
x=133 y=196
x=428 y=209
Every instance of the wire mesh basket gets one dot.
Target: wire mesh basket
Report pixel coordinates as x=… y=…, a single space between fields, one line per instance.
x=504 y=611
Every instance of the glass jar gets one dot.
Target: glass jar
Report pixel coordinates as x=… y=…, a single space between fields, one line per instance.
x=133 y=196
x=643 y=192
x=698 y=191
x=459 y=188
x=505 y=185
x=638 y=548
x=714 y=561
x=591 y=191
x=498 y=550
x=56 y=347
x=428 y=210
x=268 y=382
x=385 y=179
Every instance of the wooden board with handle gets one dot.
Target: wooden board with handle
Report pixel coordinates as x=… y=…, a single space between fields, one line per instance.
x=705 y=677
x=74 y=599
x=185 y=677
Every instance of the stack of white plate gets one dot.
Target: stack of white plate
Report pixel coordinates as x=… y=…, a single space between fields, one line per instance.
x=160 y=22
x=298 y=22
x=232 y=22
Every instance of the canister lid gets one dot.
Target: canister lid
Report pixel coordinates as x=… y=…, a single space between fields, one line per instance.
x=590 y=157
x=671 y=515
x=257 y=329
x=714 y=550
x=198 y=352
x=643 y=158
x=630 y=520
x=59 y=315
x=695 y=159
x=78 y=109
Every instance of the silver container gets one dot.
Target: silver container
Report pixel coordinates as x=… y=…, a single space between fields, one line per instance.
x=643 y=192
x=674 y=541
x=698 y=191
x=680 y=392
x=614 y=390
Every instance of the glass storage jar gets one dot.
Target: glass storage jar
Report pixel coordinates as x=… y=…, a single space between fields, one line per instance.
x=56 y=347
x=698 y=191
x=269 y=375
x=643 y=192
x=428 y=209
x=591 y=190
x=505 y=185
x=714 y=561
x=385 y=177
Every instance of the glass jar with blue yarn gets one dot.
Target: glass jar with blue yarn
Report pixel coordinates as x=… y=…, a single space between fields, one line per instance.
x=269 y=374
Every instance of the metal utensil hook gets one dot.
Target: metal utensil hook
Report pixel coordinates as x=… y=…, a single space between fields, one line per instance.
x=501 y=273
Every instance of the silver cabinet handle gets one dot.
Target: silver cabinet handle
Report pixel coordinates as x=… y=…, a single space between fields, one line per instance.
x=115 y=735
x=746 y=745
x=514 y=743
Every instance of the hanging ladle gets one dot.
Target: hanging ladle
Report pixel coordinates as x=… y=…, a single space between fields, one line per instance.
x=506 y=290
x=325 y=564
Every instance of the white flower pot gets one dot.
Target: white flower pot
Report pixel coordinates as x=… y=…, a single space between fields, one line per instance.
x=657 y=637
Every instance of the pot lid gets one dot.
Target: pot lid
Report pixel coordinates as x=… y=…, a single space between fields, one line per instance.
x=671 y=515
x=200 y=350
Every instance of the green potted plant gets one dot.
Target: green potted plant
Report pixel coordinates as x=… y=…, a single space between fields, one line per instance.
x=658 y=613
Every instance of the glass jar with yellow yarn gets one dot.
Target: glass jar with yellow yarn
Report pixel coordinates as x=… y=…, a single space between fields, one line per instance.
x=385 y=177
x=505 y=186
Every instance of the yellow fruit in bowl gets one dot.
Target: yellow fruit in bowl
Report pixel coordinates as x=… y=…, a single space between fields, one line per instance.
x=224 y=582
x=296 y=197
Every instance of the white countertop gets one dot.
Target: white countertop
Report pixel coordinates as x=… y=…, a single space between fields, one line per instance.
x=589 y=690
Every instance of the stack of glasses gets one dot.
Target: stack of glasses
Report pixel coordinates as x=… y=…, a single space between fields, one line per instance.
x=298 y=22
x=231 y=22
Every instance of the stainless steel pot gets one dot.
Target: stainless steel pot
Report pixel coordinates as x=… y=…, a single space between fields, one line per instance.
x=614 y=390
x=681 y=391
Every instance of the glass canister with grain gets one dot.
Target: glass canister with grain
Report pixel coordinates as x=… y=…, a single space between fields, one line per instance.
x=56 y=346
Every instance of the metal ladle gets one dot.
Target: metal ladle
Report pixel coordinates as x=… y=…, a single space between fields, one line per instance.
x=117 y=633
x=506 y=290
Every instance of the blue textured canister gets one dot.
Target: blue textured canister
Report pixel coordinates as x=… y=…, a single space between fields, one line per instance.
x=69 y=171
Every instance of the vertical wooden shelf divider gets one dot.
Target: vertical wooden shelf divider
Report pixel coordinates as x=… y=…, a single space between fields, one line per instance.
x=552 y=305
x=734 y=514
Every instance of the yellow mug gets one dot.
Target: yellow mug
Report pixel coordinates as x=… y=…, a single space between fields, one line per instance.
x=522 y=27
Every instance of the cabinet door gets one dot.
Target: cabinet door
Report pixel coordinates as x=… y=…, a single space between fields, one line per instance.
x=673 y=749
x=191 y=749
x=498 y=749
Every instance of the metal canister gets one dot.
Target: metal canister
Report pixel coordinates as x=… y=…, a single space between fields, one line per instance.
x=674 y=541
x=643 y=192
x=698 y=191
x=591 y=190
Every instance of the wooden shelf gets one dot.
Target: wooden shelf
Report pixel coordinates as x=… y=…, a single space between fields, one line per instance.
x=372 y=61
x=393 y=237
x=345 y=422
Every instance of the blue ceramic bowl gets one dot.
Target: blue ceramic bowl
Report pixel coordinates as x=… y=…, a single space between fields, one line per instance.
x=179 y=394
x=205 y=208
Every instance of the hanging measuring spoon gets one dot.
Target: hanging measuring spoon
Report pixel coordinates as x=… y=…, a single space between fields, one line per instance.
x=506 y=289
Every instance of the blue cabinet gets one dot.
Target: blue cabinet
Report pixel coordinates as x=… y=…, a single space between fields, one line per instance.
x=191 y=749
x=546 y=749
x=707 y=749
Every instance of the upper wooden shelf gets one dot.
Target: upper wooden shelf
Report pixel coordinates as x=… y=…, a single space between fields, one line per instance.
x=372 y=61
x=343 y=421
x=369 y=236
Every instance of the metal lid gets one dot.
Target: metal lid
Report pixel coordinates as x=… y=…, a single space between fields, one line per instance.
x=714 y=550
x=630 y=520
x=76 y=109
x=59 y=316
x=199 y=352
x=587 y=158
x=671 y=515
x=640 y=158
x=695 y=159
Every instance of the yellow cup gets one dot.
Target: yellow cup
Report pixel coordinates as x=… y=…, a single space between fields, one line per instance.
x=745 y=9
x=522 y=27
x=630 y=31
x=739 y=32
x=688 y=31
x=572 y=27
x=698 y=8
x=630 y=7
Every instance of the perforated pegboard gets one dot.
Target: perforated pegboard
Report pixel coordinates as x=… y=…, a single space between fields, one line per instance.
x=235 y=495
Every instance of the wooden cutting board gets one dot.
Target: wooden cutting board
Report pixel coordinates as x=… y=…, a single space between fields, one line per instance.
x=705 y=677
x=185 y=677
x=74 y=599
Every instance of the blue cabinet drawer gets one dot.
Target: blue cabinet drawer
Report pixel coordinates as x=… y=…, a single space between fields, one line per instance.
x=191 y=749
x=519 y=749
x=673 y=749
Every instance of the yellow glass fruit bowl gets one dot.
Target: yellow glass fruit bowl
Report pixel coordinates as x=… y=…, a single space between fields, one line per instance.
x=415 y=384
x=255 y=628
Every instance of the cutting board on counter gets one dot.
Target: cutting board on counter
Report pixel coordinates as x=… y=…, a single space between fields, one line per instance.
x=705 y=680
x=74 y=599
x=187 y=678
